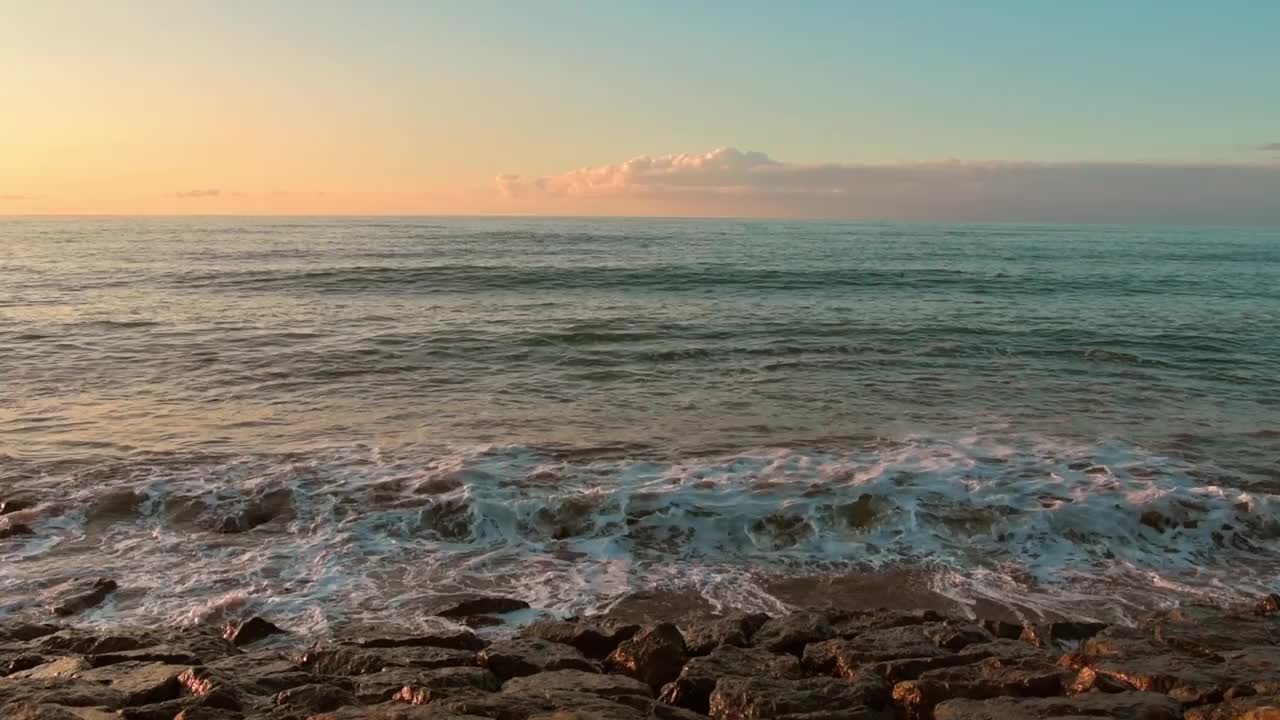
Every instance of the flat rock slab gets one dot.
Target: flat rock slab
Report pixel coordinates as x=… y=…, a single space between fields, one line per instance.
x=593 y=638
x=82 y=595
x=791 y=633
x=654 y=656
x=1257 y=707
x=514 y=658
x=993 y=677
x=418 y=685
x=459 y=640
x=607 y=686
x=774 y=699
x=139 y=683
x=1125 y=706
x=736 y=629
x=461 y=606
x=692 y=689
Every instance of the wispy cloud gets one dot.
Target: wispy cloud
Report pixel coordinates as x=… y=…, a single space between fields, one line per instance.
x=205 y=193
x=10 y=197
x=734 y=182
x=1270 y=147
x=508 y=185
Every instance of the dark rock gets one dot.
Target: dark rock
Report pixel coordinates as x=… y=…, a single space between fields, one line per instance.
x=16 y=503
x=272 y=505
x=32 y=711
x=25 y=661
x=458 y=606
x=482 y=621
x=1126 y=706
x=1268 y=605
x=262 y=673
x=692 y=689
x=1207 y=631
x=413 y=682
x=456 y=640
x=849 y=624
x=8 y=530
x=19 y=631
x=212 y=688
x=83 y=596
x=394 y=711
x=1003 y=630
x=593 y=638
x=522 y=705
x=82 y=643
x=654 y=656
x=69 y=692
x=1058 y=634
x=899 y=653
x=159 y=654
x=315 y=698
x=1088 y=680
x=607 y=686
x=808 y=699
x=514 y=658
x=139 y=683
x=790 y=633
x=53 y=668
x=113 y=506
x=250 y=631
x=955 y=635
x=1257 y=707
x=737 y=629
x=993 y=677
x=207 y=713
x=350 y=660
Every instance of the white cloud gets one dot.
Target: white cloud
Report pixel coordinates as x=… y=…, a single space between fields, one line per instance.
x=508 y=185
x=205 y=193
x=728 y=181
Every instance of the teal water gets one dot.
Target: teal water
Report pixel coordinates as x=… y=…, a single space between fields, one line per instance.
x=1075 y=376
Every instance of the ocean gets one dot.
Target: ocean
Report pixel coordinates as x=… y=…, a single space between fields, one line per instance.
x=333 y=420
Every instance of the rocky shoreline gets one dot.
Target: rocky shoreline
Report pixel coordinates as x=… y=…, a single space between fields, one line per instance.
x=1197 y=663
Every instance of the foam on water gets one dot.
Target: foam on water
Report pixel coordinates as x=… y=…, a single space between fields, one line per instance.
x=366 y=535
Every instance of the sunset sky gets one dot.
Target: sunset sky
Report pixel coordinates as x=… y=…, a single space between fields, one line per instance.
x=932 y=109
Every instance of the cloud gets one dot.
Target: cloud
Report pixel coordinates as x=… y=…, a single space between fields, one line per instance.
x=1270 y=147
x=206 y=193
x=7 y=197
x=728 y=181
x=508 y=185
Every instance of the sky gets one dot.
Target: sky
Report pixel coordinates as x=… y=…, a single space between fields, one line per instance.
x=1126 y=110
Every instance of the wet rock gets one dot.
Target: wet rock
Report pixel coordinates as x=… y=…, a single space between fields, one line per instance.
x=84 y=595
x=459 y=606
x=1257 y=707
x=158 y=654
x=10 y=529
x=1126 y=706
x=25 y=661
x=454 y=640
x=1268 y=605
x=114 y=505
x=653 y=656
x=206 y=713
x=1088 y=680
x=1059 y=634
x=1002 y=630
x=69 y=692
x=16 y=503
x=514 y=658
x=272 y=505
x=956 y=635
x=20 y=631
x=250 y=631
x=31 y=711
x=849 y=624
x=607 y=686
x=394 y=711
x=521 y=705
x=416 y=683
x=83 y=643
x=993 y=677
x=349 y=660
x=692 y=689
x=212 y=688
x=791 y=633
x=53 y=668
x=315 y=698
x=593 y=638
x=737 y=629
x=1208 y=631
x=482 y=621
x=897 y=653
x=262 y=673
x=139 y=683
x=808 y=699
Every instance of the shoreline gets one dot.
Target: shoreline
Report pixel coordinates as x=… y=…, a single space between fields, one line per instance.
x=652 y=659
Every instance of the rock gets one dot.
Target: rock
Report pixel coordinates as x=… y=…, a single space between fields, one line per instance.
x=350 y=660
x=414 y=683
x=606 y=686
x=1058 y=634
x=83 y=596
x=265 y=673
x=19 y=631
x=315 y=698
x=458 y=606
x=692 y=689
x=69 y=692
x=849 y=624
x=791 y=633
x=737 y=629
x=394 y=711
x=1002 y=630
x=593 y=638
x=54 y=668
x=212 y=688
x=159 y=654
x=12 y=529
x=483 y=621
x=205 y=713
x=457 y=640
x=808 y=699
x=25 y=661
x=897 y=653
x=140 y=683
x=113 y=506
x=1207 y=632
x=31 y=711
x=514 y=658
x=1257 y=707
x=653 y=656
x=1268 y=605
x=77 y=641
x=16 y=503
x=1129 y=706
x=250 y=631
x=993 y=677
x=271 y=505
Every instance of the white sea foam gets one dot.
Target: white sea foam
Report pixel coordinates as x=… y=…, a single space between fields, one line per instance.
x=367 y=535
